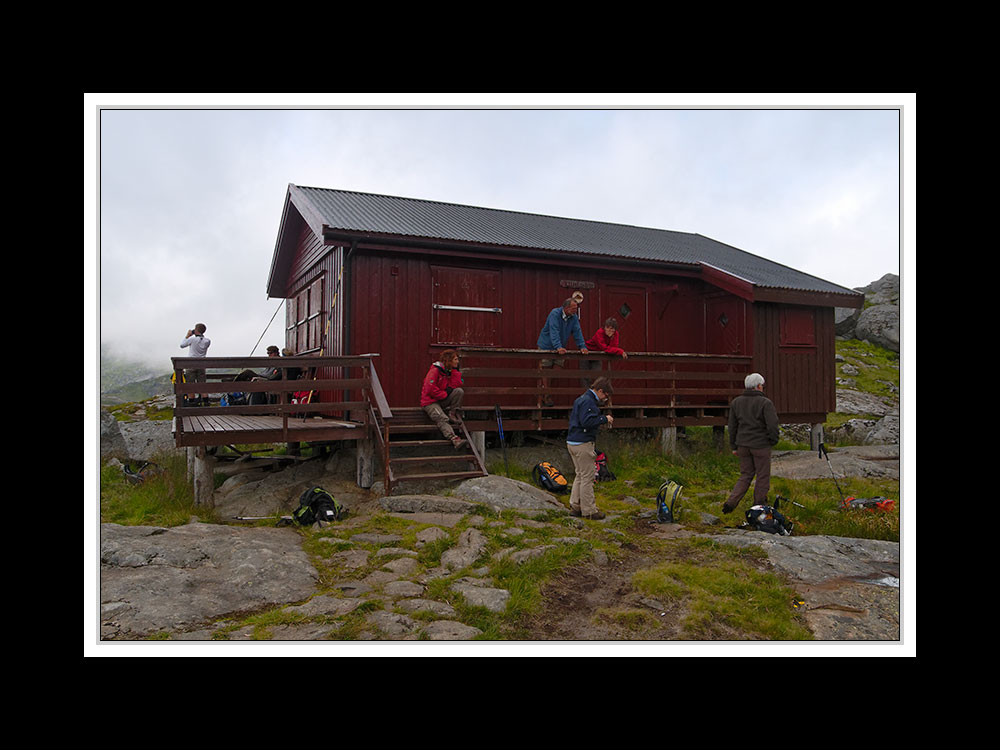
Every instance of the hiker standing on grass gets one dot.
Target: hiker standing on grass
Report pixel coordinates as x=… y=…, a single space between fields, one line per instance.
x=584 y=421
x=441 y=396
x=753 y=429
x=198 y=343
x=561 y=324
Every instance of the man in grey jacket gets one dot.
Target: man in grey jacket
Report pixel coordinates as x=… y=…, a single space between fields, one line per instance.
x=753 y=429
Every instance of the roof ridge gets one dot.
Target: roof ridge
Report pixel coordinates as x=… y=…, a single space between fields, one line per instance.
x=499 y=210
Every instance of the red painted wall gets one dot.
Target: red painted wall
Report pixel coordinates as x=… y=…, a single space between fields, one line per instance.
x=392 y=297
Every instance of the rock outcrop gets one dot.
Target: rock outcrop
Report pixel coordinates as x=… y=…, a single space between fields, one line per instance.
x=878 y=323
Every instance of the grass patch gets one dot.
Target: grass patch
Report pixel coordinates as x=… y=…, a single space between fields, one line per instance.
x=708 y=472
x=724 y=593
x=877 y=368
x=632 y=620
x=134 y=411
x=166 y=498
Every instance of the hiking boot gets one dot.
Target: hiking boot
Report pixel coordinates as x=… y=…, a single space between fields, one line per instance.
x=727 y=508
x=595 y=516
x=575 y=512
x=458 y=442
x=455 y=417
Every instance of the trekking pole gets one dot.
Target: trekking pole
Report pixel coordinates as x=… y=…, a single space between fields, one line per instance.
x=503 y=442
x=822 y=452
x=785 y=499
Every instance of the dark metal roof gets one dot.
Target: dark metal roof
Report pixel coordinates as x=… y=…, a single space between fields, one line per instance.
x=383 y=214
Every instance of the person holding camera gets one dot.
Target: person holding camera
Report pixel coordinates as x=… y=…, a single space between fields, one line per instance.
x=196 y=340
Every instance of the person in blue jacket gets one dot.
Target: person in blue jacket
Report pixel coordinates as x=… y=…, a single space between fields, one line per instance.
x=561 y=324
x=584 y=421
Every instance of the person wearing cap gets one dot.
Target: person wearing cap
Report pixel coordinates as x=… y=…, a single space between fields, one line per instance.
x=753 y=430
x=561 y=324
x=270 y=373
x=584 y=421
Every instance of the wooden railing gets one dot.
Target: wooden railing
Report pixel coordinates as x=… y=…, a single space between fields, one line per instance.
x=650 y=389
x=344 y=390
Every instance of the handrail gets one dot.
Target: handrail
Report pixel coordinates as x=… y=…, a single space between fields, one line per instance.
x=642 y=373
x=329 y=374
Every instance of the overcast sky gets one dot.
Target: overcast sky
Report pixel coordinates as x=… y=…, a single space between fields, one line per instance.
x=188 y=201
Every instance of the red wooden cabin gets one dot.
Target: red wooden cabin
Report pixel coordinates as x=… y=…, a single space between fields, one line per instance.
x=406 y=279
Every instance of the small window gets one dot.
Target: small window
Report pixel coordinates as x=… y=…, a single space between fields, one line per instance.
x=798 y=327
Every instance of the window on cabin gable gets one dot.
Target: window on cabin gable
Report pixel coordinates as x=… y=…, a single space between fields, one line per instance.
x=304 y=319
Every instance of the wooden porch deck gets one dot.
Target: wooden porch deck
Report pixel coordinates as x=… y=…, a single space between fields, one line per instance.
x=353 y=379
x=217 y=429
x=651 y=390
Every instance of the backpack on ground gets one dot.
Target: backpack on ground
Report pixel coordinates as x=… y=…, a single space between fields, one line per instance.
x=669 y=492
x=601 y=471
x=548 y=477
x=868 y=503
x=766 y=518
x=316 y=504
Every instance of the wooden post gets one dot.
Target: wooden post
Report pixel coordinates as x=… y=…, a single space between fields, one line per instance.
x=203 y=477
x=719 y=437
x=479 y=442
x=366 y=463
x=816 y=436
x=668 y=440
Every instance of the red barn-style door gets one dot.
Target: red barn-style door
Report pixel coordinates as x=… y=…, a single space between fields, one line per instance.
x=627 y=305
x=466 y=306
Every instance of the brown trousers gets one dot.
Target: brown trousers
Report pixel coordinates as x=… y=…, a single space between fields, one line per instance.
x=582 y=495
x=753 y=462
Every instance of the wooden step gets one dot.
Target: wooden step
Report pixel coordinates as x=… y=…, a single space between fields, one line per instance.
x=420 y=443
x=442 y=475
x=433 y=459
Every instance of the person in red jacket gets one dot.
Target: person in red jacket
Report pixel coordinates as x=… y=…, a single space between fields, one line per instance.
x=605 y=340
x=441 y=396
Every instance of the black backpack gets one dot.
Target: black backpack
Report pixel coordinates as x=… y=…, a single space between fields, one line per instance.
x=316 y=504
x=669 y=490
x=548 y=477
x=601 y=471
x=766 y=518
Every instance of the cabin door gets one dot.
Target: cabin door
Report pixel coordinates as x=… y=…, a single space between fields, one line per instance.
x=627 y=304
x=724 y=324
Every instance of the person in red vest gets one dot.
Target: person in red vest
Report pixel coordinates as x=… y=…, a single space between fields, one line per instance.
x=441 y=396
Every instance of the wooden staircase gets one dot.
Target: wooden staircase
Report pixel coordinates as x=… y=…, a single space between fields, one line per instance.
x=413 y=449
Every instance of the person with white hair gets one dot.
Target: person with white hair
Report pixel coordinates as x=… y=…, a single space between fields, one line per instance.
x=753 y=430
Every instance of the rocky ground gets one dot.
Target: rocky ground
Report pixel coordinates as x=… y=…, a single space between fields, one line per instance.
x=183 y=583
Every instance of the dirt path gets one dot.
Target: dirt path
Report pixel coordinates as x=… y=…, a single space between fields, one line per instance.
x=596 y=601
